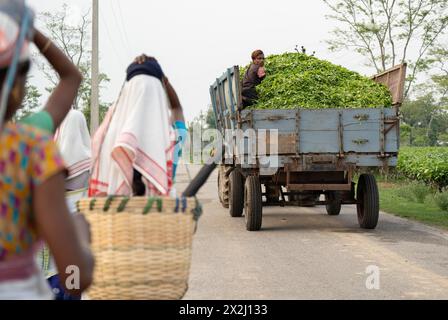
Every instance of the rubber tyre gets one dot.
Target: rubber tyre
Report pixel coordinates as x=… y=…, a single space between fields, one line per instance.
x=368 y=206
x=253 y=207
x=236 y=194
x=223 y=186
x=334 y=207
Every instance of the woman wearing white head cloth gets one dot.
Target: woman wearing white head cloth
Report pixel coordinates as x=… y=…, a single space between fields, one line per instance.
x=73 y=140
x=133 y=149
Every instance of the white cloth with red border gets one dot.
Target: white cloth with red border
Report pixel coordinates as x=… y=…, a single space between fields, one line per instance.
x=135 y=134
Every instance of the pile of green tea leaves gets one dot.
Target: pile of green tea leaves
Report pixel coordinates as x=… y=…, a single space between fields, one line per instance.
x=297 y=80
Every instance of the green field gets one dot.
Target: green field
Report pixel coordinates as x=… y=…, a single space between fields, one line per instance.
x=393 y=202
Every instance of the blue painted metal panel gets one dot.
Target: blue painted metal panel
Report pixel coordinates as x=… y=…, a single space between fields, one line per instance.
x=318 y=129
x=319 y=142
x=362 y=141
x=215 y=111
x=232 y=101
x=319 y=120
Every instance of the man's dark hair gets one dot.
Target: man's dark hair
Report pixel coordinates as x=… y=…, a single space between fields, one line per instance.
x=256 y=53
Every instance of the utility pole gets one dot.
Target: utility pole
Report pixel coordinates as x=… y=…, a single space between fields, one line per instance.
x=94 y=103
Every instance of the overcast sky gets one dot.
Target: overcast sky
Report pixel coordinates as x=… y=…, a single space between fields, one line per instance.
x=195 y=41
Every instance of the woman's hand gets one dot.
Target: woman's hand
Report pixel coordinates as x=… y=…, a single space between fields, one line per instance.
x=143 y=58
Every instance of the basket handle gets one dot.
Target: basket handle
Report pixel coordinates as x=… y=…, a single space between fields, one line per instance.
x=123 y=204
x=150 y=204
x=108 y=203
x=184 y=205
x=92 y=204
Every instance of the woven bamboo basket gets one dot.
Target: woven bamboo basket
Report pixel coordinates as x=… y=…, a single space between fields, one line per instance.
x=142 y=246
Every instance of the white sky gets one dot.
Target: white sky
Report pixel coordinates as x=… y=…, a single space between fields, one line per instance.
x=195 y=41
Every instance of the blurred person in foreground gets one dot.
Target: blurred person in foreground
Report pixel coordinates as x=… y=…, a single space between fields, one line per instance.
x=32 y=173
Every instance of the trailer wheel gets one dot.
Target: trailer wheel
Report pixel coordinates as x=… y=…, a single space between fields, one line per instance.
x=253 y=207
x=223 y=185
x=236 y=199
x=368 y=203
x=334 y=203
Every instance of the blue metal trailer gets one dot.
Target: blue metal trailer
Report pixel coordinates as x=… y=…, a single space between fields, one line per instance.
x=316 y=152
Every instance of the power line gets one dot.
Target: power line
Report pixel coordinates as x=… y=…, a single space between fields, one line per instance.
x=122 y=22
x=120 y=58
x=120 y=29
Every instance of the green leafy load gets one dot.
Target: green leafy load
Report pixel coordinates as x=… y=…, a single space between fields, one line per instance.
x=429 y=165
x=296 y=80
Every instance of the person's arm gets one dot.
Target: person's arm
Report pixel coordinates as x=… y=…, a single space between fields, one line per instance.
x=67 y=236
x=177 y=112
x=61 y=99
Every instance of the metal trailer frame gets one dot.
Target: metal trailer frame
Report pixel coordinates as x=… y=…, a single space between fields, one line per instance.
x=312 y=163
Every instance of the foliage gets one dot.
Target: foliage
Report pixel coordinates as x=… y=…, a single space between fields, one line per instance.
x=425 y=122
x=74 y=41
x=441 y=199
x=210 y=118
x=429 y=165
x=389 y=32
x=30 y=102
x=414 y=192
x=393 y=203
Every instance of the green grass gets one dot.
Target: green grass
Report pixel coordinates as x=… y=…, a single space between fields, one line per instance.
x=427 y=212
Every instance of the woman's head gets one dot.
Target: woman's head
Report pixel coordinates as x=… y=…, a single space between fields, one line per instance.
x=18 y=91
x=258 y=57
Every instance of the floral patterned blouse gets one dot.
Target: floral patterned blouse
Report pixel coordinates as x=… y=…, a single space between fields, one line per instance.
x=28 y=157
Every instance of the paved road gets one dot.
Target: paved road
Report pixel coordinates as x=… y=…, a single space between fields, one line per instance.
x=302 y=253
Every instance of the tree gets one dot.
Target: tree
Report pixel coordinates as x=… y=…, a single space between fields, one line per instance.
x=30 y=102
x=439 y=57
x=74 y=40
x=388 y=32
x=418 y=112
x=427 y=121
x=210 y=118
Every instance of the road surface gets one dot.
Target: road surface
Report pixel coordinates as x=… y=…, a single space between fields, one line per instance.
x=302 y=253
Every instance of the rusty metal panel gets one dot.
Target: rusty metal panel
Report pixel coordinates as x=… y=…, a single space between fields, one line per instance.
x=320 y=187
x=286 y=143
x=394 y=79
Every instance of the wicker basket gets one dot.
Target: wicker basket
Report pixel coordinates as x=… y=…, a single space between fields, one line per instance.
x=142 y=246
